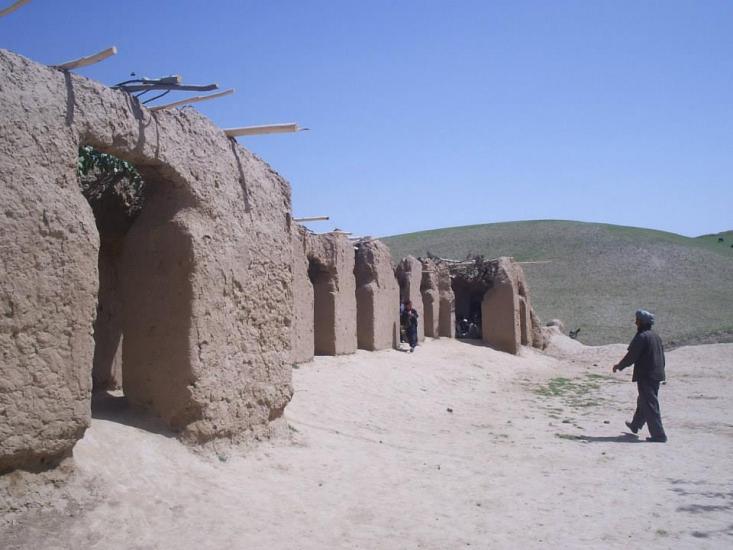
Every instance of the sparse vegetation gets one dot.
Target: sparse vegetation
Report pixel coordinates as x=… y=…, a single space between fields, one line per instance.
x=102 y=175
x=575 y=393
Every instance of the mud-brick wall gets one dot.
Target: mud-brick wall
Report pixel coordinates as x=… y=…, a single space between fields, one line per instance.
x=331 y=272
x=447 y=315
x=430 y=298
x=500 y=308
x=302 y=327
x=205 y=269
x=377 y=297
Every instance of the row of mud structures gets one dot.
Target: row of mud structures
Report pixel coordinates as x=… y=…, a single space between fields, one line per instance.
x=347 y=297
x=199 y=307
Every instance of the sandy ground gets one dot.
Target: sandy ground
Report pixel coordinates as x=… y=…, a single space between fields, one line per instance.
x=453 y=446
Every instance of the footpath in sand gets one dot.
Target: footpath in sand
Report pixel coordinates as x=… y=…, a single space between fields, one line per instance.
x=454 y=446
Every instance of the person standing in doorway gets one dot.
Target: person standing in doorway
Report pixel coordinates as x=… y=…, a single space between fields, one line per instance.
x=409 y=320
x=646 y=353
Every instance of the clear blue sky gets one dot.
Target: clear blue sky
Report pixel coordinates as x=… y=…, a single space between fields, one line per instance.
x=429 y=114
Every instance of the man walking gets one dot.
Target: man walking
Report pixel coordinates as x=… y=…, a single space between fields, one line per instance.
x=647 y=355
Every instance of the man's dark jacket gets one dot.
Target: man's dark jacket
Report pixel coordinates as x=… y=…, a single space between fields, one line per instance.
x=647 y=354
x=409 y=319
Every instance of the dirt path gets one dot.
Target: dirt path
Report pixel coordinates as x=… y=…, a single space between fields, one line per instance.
x=454 y=446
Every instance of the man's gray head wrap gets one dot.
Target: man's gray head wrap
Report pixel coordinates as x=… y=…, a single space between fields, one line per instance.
x=644 y=317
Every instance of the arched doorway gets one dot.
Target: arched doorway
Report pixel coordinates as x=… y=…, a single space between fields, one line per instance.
x=469 y=296
x=145 y=264
x=324 y=307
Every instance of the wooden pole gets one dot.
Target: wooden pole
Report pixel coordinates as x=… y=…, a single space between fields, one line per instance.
x=448 y=260
x=311 y=219
x=537 y=262
x=12 y=7
x=264 y=129
x=89 y=60
x=132 y=88
x=195 y=99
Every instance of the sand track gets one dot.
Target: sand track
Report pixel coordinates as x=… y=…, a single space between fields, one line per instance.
x=532 y=455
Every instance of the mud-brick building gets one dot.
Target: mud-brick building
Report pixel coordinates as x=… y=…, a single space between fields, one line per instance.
x=199 y=302
x=200 y=284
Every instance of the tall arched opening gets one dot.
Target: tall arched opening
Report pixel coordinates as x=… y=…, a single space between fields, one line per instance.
x=469 y=295
x=145 y=264
x=324 y=307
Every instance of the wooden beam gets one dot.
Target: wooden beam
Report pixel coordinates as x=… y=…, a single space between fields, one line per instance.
x=88 y=60
x=537 y=262
x=264 y=129
x=195 y=99
x=12 y=7
x=448 y=260
x=132 y=88
x=311 y=219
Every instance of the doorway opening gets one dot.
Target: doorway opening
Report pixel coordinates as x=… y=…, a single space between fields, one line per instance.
x=141 y=359
x=324 y=304
x=469 y=296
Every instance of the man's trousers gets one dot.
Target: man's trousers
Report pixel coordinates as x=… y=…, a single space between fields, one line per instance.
x=647 y=409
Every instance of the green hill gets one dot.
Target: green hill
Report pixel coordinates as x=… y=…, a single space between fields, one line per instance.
x=594 y=276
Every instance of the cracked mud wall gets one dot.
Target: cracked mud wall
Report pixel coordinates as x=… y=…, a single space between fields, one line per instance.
x=107 y=363
x=447 y=307
x=430 y=298
x=206 y=287
x=331 y=271
x=302 y=328
x=377 y=297
x=505 y=308
x=530 y=327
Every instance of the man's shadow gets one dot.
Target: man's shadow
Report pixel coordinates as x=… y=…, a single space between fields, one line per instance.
x=623 y=438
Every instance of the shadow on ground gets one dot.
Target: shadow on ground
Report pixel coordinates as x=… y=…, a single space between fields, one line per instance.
x=117 y=408
x=623 y=438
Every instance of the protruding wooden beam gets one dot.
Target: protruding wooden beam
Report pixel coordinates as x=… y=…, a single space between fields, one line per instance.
x=312 y=219
x=195 y=99
x=264 y=129
x=147 y=87
x=537 y=262
x=12 y=7
x=88 y=60
x=458 y=262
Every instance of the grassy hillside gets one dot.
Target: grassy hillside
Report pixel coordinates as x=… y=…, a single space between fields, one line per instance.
x=598 y=274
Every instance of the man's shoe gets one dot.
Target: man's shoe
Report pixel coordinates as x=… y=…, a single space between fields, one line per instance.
x=657 y=439
x=630 y=426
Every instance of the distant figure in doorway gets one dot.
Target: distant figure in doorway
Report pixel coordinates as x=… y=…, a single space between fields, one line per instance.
x=647 y=355
x=409 y=321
